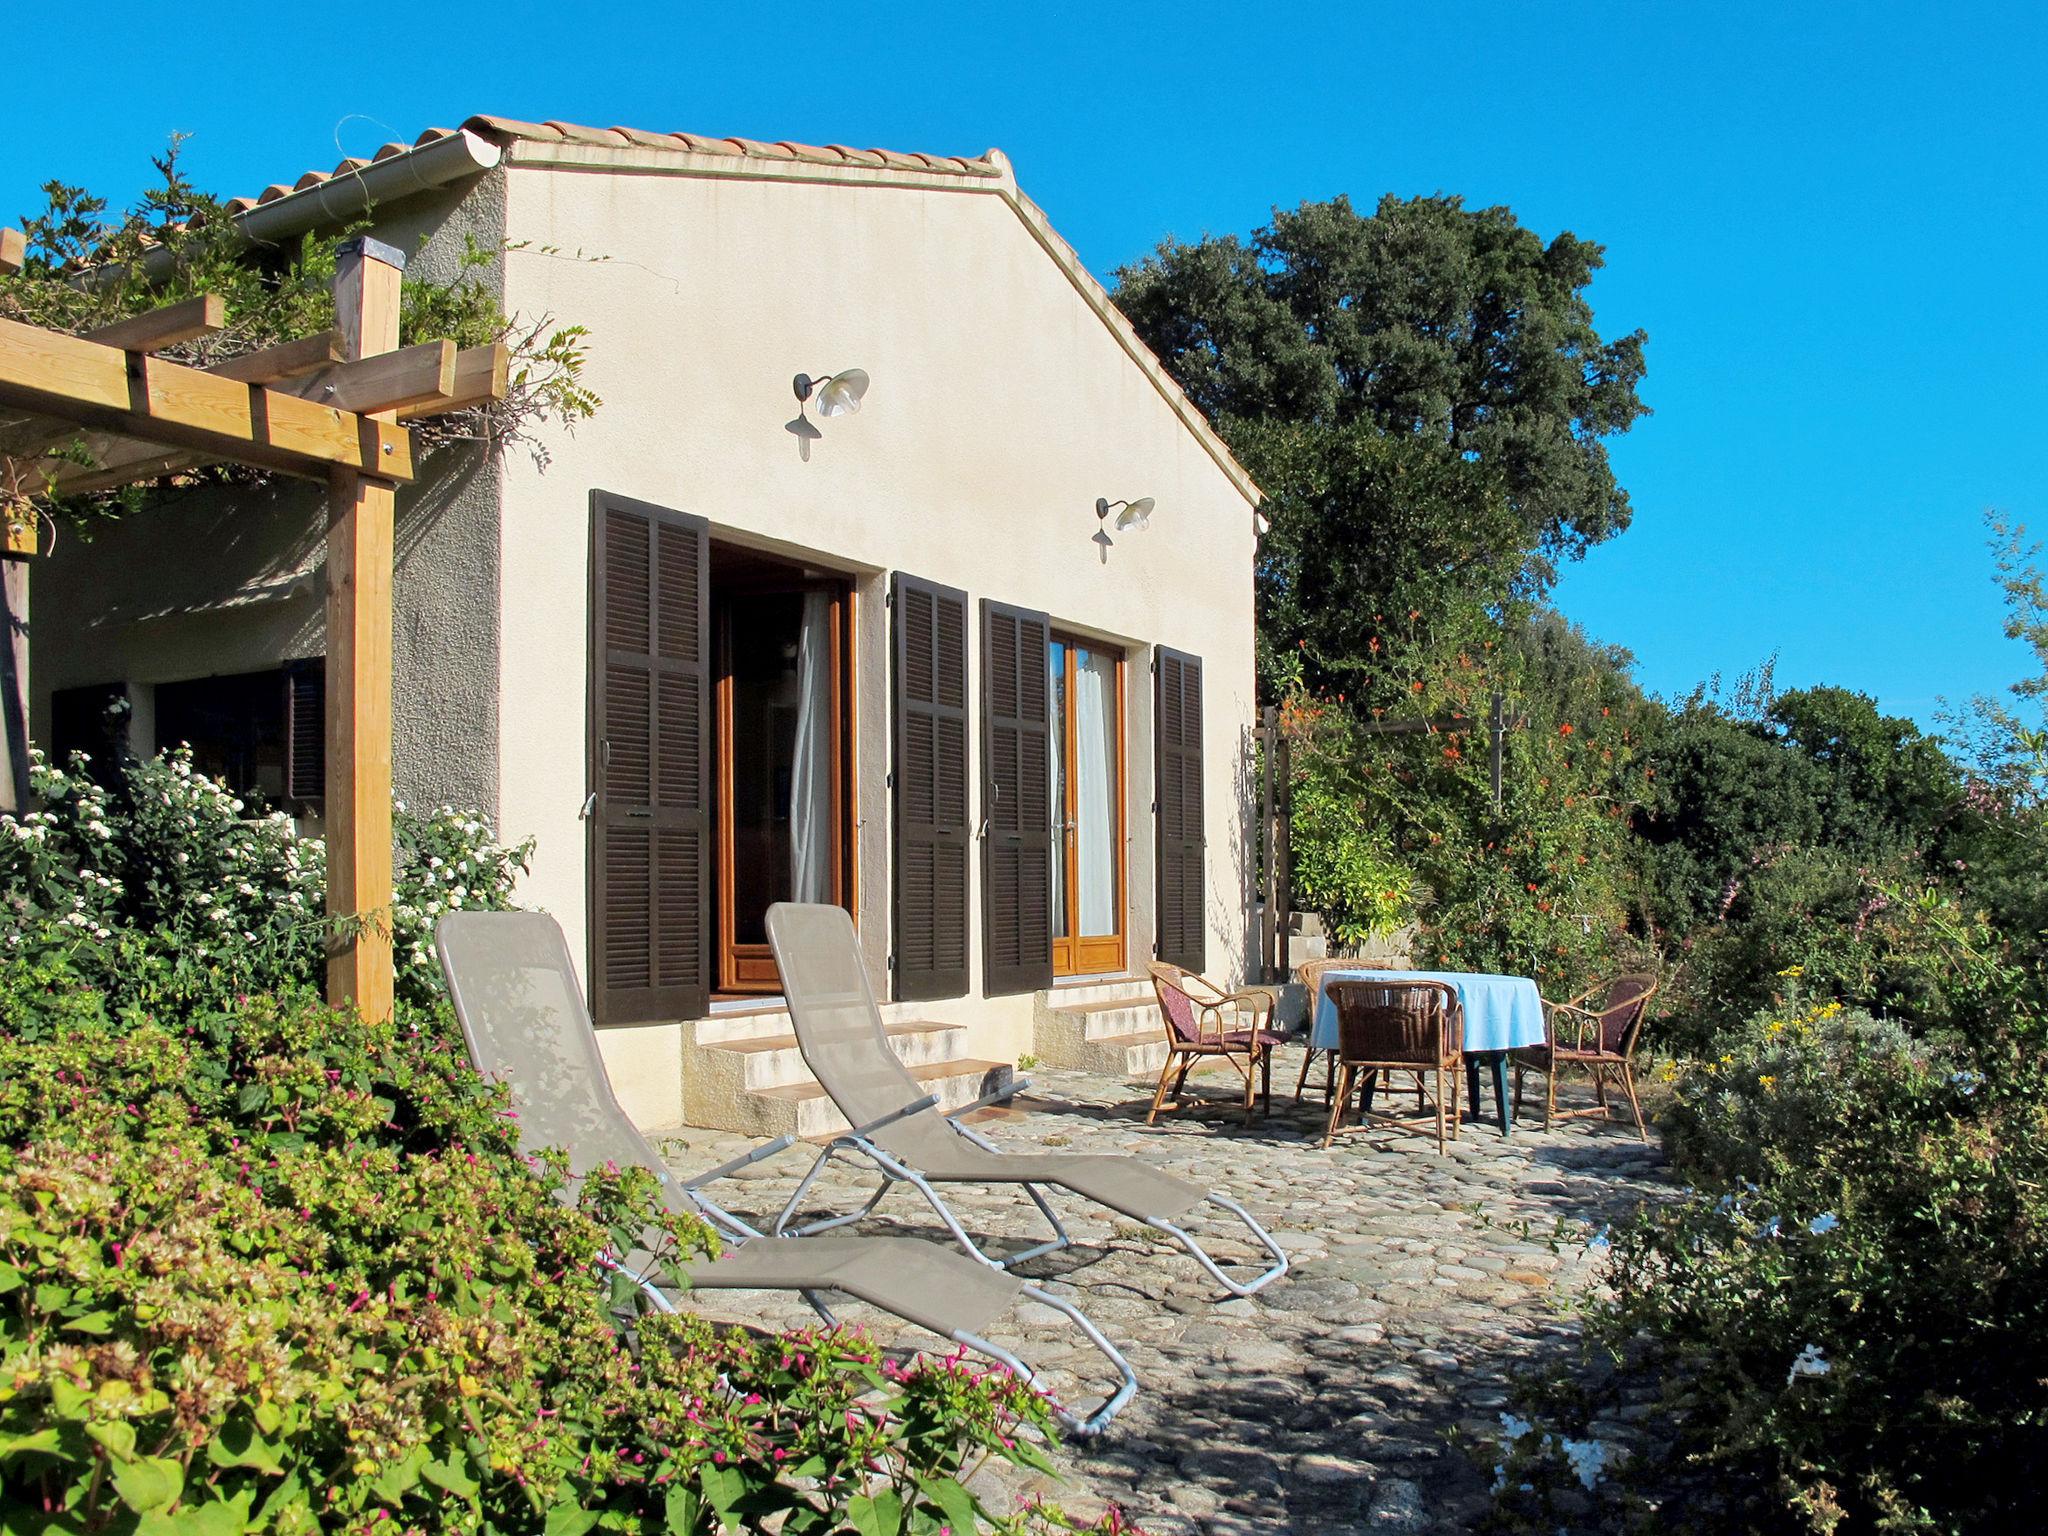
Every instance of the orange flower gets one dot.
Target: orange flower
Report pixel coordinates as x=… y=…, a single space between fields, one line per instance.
x=1532 y=885
x=1564 y=730
x=1415 y=687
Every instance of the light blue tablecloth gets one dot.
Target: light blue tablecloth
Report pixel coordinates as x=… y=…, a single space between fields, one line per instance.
x=1501 y=1012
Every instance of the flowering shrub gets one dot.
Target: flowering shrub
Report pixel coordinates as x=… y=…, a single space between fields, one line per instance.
x=278 y=1269
x=170 y=889
x=1846 y=1314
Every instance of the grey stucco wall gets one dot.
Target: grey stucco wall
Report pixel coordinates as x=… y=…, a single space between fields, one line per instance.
x=195 y=584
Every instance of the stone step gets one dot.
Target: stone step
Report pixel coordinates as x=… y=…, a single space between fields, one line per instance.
x=804 y=1109
x=1111 y=1016
x=1119 y=1037
x=1094 y=989
x=1137 y=1055
x=774 y=1060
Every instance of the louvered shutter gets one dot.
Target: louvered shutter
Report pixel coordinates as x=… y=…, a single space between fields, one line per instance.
x=930 y=788
x=650 y=768
x=305 y=729
x=1177 y=737
x=1016 y=801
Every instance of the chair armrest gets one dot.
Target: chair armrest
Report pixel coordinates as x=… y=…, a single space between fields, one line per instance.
x=1580 y=1018
x=1010 y=1090
x=883 y=1122
x=725 y=1170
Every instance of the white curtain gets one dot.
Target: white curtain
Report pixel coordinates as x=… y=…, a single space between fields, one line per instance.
x=810 y=773
x=1095 y=790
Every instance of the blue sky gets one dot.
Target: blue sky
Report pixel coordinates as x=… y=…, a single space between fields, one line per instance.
x=1832 y=224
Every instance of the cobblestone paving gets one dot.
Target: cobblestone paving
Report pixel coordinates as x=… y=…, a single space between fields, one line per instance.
x=1326 y=1402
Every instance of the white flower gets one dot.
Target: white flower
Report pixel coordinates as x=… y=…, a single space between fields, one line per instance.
x=1823 y=1224
x=1811 y=1362
x=1587 y=1458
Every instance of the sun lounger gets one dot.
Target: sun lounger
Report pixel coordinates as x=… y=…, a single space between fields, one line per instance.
x=524 y=1019
x=839 y=1030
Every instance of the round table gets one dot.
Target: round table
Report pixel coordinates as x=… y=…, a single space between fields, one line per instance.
x=1501 y=1013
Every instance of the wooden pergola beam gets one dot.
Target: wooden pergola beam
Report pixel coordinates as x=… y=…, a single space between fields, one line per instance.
x=163 y=402
x=481 y=374
x=186 y=320
x=424 y=379
x=287 y=360
x=13 y=250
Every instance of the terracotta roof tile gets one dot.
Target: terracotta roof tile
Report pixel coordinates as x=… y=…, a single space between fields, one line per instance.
x=502 y=130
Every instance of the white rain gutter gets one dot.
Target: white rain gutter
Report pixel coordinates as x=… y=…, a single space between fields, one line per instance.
x=344 y=196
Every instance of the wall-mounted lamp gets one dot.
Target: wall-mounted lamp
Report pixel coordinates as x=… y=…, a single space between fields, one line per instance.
x=1261 y=524
x=1134 y=515
x=838 y=395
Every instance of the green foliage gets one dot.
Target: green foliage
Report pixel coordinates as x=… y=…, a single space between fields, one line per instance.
x=1545 y=885
x=277 y=1269
x=1421 y=392
x=1343 y=866
x=1847 y=1311
x=176 y=242
x=169 y=891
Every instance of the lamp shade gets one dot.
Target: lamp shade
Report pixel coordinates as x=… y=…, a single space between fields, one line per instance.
x=1137 y=515
x=840 y=395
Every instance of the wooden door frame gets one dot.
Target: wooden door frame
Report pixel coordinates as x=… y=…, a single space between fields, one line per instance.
x=749 y=969
x=1092 y=954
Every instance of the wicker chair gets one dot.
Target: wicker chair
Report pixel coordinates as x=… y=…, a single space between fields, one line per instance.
x=1310 y=974
x=1396 y=1026
x=1602 y=1040
x=1194 y=1010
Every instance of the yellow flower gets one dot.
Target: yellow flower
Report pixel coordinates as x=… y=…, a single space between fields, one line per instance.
x=1793 y=970
x=1766 y=1082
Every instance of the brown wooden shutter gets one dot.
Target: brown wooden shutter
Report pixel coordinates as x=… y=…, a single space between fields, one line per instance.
x=650 y=763
x=1177 y=737
x=305 y=729
x=930 y=789
x=1016 y=801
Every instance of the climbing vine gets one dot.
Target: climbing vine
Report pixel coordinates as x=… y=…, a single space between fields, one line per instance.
x=87 y=268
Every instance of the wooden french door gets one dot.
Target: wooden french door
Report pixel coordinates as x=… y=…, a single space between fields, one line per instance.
x=780 y=765
x=1088 y=796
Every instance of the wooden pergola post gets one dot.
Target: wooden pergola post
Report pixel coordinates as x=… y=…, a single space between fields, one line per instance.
x=325 y=407
x=359 y=557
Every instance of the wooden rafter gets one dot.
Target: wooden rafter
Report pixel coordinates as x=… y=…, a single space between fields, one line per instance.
x=145 y=397
x=186 y=320
x=287 y=360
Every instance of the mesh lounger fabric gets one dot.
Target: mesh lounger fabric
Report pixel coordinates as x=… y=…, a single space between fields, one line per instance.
x=524 y=1019
x=839 y=1029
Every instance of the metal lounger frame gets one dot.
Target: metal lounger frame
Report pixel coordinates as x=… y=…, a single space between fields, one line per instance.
x=894 y=1171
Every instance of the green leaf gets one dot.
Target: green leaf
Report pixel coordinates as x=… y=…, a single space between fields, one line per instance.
x=682 y=1508
x=723 y=1490
x=451 y=1475
x=398 y=1479
x=239 y=1445
x=39 y=1440
x=149 y=1483
x=880 y=1514
x=91 y=1322
x=252 y=1097
x=953 y=1501
x=215 y=1517
x=569 y=1519
x=117 y=1435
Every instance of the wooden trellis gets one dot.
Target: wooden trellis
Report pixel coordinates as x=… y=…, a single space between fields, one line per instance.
x=326 y=408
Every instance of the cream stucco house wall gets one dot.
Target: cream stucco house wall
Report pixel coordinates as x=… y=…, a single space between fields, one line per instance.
x=1006 y=398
